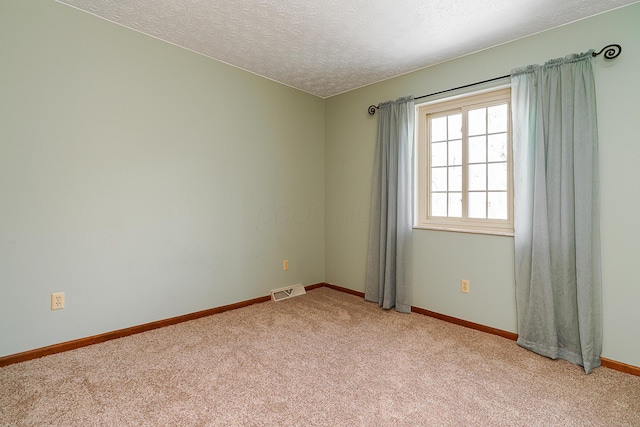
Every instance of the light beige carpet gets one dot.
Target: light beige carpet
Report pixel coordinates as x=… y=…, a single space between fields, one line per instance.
x=323 y=359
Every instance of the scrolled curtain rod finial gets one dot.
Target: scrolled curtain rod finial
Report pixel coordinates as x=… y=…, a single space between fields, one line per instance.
x=610 y=51
x=372 y=109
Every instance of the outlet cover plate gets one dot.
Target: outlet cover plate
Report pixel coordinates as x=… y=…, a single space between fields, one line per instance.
x=57 y=300
x=464 y=286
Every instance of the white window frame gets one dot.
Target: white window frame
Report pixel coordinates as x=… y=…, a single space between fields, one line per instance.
x=423 y=170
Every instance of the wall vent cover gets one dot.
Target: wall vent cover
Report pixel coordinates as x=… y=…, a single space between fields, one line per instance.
x=287 y=292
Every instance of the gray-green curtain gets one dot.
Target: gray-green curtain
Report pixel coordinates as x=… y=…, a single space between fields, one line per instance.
x=557 y=233
x=388 y=279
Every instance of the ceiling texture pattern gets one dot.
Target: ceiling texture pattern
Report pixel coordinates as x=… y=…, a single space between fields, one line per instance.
x=326 y=47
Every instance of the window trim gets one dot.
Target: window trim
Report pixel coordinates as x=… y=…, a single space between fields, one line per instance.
x=496 y=95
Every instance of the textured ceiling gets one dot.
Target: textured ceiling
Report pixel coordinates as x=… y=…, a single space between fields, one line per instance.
x=326 y=47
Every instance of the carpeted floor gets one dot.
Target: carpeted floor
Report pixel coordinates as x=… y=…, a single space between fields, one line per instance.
x=322 y=359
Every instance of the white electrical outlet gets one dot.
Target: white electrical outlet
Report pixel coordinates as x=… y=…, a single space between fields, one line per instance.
x=57 y=300
x=285 y=264
x=464 y=286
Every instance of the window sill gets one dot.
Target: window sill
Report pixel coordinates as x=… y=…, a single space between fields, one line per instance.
x=464 y=230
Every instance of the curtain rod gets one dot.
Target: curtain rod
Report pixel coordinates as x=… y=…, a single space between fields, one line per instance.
x=610 y=52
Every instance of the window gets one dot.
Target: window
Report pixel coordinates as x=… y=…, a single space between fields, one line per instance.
x=464 y=164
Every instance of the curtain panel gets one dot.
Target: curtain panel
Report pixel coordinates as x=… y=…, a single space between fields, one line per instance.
x=556 y=210
x=388 y=280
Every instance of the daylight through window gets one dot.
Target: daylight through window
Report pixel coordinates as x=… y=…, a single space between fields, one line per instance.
x=464 y=164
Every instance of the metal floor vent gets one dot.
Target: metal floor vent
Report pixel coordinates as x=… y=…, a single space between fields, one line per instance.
x=288 y=292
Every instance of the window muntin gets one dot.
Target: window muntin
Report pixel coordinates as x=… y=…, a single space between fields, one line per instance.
x=464 y=164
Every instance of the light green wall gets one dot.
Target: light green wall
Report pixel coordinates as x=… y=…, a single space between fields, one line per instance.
x=442 y=259
x=143 y=180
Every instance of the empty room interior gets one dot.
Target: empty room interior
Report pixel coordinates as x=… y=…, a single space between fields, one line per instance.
x=154 y=167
